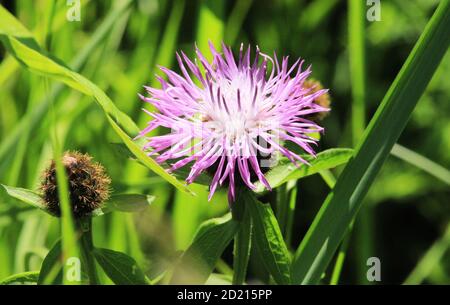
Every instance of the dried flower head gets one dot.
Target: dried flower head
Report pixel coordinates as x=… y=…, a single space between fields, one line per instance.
x=88 y=185
x=230 y=114
x=322 y=100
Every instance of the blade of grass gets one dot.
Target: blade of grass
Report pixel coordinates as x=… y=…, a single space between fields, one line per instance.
x=167 y=46
x=164 y=57
x=357 y=48
x=68 y=233
x=356 y=41
x=315 y=13
x=37 y=62
x=340 y=259
x=282 y=207
x=35 y=84
x=236 y=19
x=330 y=180
x=292 y=204
x=430 y=259
x=32 y=118
x=421 y=162
x=343 y=203
x=210 y=25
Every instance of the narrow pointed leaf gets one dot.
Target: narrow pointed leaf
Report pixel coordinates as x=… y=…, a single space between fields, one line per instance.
x=51 y=269
x=24 y=278
x=120 y=268
x=198 y=261
x=125 y=203
x=269 y=240
x=27 y=196
x=242 y=247
x=25 y=49
x=285 y=170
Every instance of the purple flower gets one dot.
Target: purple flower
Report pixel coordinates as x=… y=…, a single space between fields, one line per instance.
x=223 y=115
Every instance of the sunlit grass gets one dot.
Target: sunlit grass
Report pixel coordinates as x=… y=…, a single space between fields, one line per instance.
x=73 y=85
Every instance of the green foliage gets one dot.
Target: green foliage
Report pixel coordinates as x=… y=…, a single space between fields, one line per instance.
x=198 y=261
x=285 y=171
x=174 y=237
x=269 y=241
x=342 y=204
x=242 y=245
x=34 y=60
x=51 y=269
x=24 y=195
x=25 y=278
x=120 y=268
x=117 y=202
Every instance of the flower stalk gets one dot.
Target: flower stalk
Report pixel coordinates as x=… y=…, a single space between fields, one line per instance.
x=87 y=246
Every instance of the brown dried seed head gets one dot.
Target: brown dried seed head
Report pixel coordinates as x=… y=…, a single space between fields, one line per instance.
x=323 y=100
x=88 y=185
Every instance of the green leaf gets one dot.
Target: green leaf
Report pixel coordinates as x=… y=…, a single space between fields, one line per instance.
x=149 y=162
x=125 y=203
x=269 y=240
x=51 y=269
x=285 y=170
x=119 y=203
x=32 y=118
x=29 y=277
x=28 y=196
x=342 y=204
x=242 y=247
x=120 y=268
x=183 y=173
x=198 y=261
x=28 y=53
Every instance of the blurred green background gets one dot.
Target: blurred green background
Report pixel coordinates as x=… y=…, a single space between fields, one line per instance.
x=118 y=45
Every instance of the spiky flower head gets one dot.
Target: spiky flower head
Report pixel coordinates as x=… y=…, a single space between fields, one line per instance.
x=88 y=185
x=224 y=114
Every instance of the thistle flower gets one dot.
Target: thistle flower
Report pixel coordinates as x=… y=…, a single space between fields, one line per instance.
x=231 y=113
x=88 y=185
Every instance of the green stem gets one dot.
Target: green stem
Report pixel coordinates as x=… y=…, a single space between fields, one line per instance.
x=335 y=276
x=291 y=212
x=282 y=207
x=356 y=30
x=87 y=246
x=238 y=207
x=242 y=248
